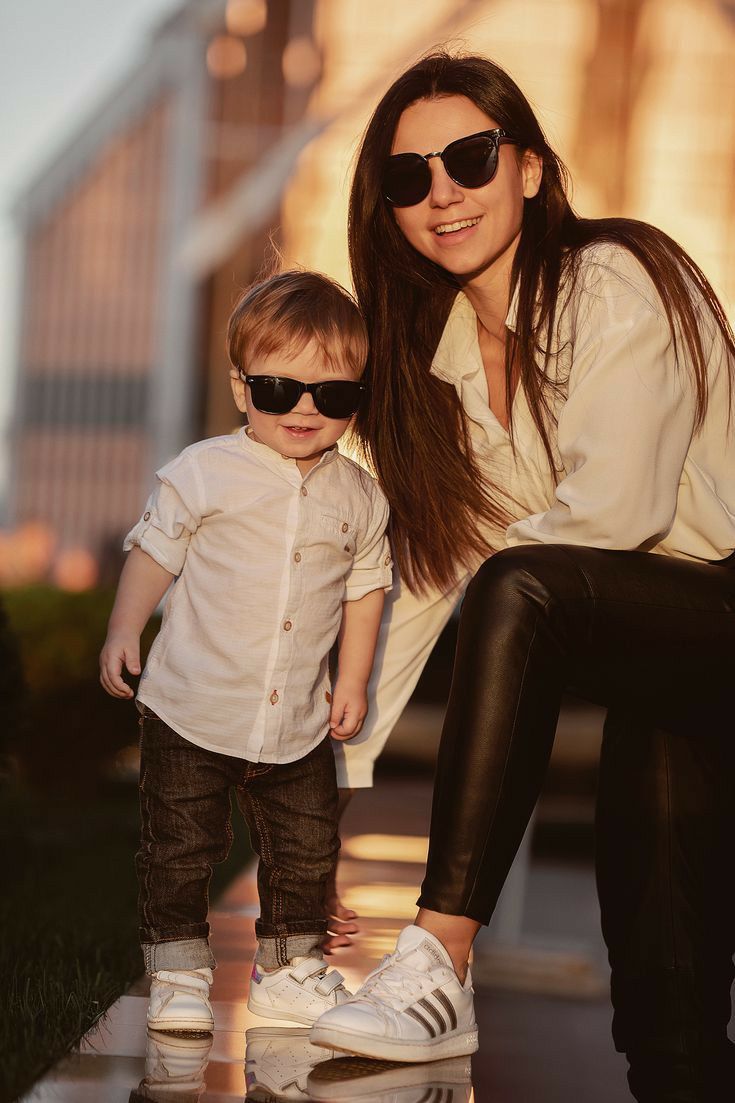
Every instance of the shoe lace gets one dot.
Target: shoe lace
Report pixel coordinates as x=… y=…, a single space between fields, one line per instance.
x=393 y=982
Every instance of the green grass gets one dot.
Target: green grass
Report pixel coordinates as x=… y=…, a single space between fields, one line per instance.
x=67 y=914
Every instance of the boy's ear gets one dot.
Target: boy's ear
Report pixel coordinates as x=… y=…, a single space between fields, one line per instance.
x=238 y=390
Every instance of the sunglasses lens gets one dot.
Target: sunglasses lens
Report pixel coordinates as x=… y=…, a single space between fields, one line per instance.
x=339 y=398
x=472 y=162
x=273 y=395
x=406 y=180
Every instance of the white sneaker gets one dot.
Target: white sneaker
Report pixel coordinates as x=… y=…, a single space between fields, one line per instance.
x=299 y=992
x=411 y=1008
x=351 y=1078
x=278 y=1061
x=179 y=1001
x=174 y=1067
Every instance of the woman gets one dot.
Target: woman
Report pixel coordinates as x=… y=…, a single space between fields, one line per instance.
x=569 y=409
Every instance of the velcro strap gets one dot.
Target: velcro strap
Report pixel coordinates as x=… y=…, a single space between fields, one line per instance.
x=182 y=980
x=329 y=982
x=307 y=968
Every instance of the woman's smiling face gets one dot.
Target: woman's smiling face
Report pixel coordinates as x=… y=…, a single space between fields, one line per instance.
x=495 y=210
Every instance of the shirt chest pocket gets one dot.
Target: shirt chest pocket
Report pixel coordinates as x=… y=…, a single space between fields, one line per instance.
x=334 y=536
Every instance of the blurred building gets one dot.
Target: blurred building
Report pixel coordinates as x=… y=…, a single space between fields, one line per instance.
x=241 y=123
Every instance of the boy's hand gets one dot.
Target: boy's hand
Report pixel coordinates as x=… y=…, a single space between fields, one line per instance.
x=119 y=652
x=349 y=709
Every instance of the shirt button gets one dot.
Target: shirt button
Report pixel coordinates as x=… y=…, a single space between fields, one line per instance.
x=287 y=626
x=304 y=491
x=297 y=557
x=387 y=561
x=274 y=698
x=146 y=516
x=345 y=527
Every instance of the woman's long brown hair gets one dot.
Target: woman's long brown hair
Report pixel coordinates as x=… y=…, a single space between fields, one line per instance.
x=414 y=429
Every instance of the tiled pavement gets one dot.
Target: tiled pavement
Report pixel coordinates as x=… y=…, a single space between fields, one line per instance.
x=534 y=1048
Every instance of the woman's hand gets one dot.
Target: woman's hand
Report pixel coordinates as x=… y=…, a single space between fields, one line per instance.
x=342 y=920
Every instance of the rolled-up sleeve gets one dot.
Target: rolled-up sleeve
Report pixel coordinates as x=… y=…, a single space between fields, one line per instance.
x=624 y=431
x=172 y=515
x=372 y=567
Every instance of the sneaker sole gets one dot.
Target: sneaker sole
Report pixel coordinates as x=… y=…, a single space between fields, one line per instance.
x=331 y=1083
x=459 y=1044
x=195 y=1027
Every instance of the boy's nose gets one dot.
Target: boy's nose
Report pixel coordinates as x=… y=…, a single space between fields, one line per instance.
x=305 y=404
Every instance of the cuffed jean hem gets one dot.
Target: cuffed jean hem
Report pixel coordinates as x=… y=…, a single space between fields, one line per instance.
x=184 y=953
x=272 y=953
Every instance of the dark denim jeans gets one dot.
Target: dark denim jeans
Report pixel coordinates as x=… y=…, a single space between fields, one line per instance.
x=291 y=812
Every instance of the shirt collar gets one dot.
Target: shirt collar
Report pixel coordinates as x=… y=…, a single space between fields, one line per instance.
x=282 y=465
x=458 y=352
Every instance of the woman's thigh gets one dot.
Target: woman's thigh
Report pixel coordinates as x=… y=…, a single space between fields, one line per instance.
x=644 y=631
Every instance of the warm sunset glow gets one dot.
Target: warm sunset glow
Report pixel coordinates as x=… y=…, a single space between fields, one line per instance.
x=301 y=62
x=226 y=57
x=387 y=848
x=75 y=570
x=380 y=900
x=246 y=17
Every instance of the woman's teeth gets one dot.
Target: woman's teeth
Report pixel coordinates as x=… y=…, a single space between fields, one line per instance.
x=452 y=227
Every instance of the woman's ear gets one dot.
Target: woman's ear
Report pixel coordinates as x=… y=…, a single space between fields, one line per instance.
x=532 y=169
x=238 y=390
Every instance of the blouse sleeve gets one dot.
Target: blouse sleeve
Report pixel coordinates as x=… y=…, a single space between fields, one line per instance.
x=372 y=564
x=171 y=516
x=626 y=427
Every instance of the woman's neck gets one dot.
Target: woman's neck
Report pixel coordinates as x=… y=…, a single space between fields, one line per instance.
x=489 y=292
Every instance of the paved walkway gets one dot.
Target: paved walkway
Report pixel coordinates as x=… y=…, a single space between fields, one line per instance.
x=534 y=1048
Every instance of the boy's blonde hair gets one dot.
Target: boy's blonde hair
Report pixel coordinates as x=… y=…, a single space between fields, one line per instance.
x=291 y=308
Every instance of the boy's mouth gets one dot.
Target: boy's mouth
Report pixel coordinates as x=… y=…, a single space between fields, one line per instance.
x=299 y=431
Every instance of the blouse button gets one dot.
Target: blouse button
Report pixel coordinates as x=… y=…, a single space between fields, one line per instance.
x=297 y=557
x=147 y=516
x=304 y=491
x=345 y=527
x=287 y=626
x=387 y=561
x=274 y=698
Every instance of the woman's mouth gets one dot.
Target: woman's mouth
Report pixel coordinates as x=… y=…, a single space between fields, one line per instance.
x=445 y=229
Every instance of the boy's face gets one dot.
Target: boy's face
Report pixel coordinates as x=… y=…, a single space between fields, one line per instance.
x=302 y=434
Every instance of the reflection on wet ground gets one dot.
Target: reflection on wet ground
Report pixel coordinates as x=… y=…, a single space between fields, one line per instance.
x=281 y=1064
x=534 y=1046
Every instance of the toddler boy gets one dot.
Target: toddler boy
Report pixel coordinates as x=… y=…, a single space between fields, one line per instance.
x=276 y=547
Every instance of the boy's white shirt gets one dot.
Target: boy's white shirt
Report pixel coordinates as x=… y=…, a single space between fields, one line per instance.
x=264 y=560
x=633 y=474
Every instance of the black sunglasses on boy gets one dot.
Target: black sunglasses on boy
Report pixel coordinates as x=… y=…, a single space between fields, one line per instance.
x=278 y=394
x=471 y=162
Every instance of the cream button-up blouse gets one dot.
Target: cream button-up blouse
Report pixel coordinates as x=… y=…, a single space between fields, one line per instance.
x=631 y=472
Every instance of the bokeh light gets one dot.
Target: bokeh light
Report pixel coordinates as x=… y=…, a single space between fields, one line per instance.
x=25 y=554
x=226 y=57
x=301 y=62
x=246 y=17
x=75 y=570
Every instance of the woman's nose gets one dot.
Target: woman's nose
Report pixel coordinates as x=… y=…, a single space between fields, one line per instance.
x=444 y=190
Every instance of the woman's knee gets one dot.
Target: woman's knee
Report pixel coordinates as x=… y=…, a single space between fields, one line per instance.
x=516 y=577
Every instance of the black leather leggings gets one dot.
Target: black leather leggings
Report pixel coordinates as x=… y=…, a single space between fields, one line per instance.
x=653 y=639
